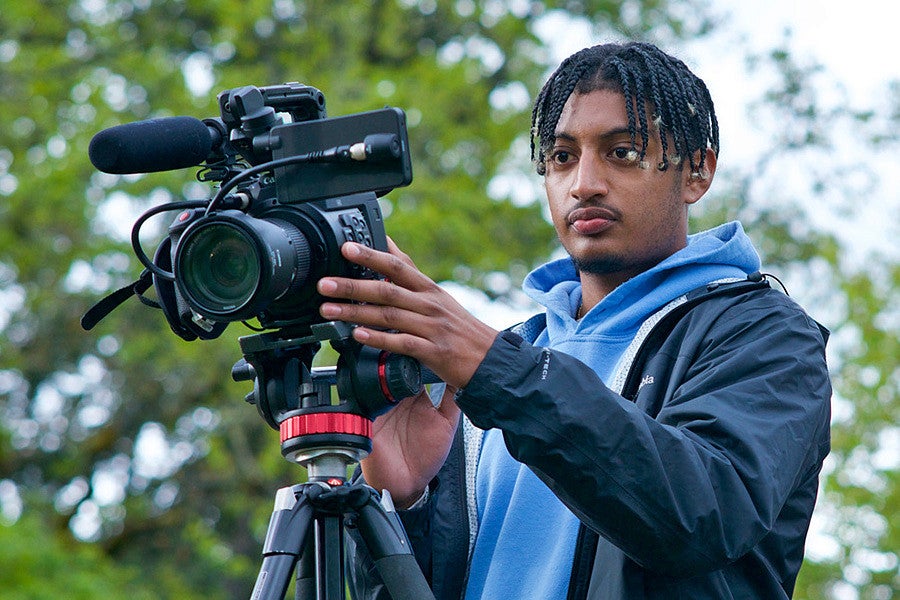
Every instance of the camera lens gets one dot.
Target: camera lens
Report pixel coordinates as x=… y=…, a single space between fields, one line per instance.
x=231 y=266
x=221 y=267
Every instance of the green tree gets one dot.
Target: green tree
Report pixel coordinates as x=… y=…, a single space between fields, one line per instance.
x=126 y=450
x=852 y=551
x=59 y=567
x=128 y=437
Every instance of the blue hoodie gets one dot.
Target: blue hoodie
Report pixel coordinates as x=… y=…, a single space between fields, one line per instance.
x=526 y=536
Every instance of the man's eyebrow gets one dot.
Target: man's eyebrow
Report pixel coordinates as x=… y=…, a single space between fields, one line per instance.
x=612 y=133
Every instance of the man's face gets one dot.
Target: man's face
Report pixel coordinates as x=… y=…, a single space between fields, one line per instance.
x=614 y=217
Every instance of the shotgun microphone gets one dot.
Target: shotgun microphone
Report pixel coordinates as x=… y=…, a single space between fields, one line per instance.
x=154 y=145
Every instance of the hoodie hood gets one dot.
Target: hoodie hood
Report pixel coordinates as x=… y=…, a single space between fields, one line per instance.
x=724 y=252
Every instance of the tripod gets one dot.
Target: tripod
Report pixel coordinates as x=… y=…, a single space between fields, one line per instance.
x=307 y=527
x=320 y=552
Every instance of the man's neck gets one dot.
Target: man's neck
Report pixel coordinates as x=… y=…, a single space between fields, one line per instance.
x=595 y=287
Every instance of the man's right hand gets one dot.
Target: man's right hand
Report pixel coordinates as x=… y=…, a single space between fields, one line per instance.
x=409 y=445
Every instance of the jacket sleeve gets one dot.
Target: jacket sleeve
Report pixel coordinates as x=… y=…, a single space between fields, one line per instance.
x=693 y=480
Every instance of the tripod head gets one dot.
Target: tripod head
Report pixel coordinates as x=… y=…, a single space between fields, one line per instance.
x=320 y=433
x=327 y=436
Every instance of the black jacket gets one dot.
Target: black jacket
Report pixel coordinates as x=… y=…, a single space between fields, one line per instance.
x=697 y=481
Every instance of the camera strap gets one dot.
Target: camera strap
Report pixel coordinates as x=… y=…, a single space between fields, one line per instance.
x=97 y=312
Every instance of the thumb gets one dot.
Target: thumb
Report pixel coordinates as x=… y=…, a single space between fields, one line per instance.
x=448 y=407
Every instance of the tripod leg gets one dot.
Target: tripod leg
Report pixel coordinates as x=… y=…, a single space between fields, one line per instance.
x=383 y=534
x=330 y=556
x=306 y=572
x=285 y=539
x=320 y=572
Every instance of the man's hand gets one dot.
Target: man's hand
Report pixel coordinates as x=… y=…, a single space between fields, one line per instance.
x=426 y=323
x=409 y=445
x=411 y=441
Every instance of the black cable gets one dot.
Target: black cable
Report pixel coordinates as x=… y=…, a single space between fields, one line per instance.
x=136 y=231
x=783 y=287
x=375 y=147
x=244 y=175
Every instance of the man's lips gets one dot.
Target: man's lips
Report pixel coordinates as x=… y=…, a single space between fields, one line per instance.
x=591 y=220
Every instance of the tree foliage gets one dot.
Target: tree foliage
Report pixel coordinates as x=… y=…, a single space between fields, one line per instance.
x=852 y=549
x=127 y=450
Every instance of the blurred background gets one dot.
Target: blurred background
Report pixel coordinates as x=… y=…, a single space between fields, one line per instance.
x=131 y=467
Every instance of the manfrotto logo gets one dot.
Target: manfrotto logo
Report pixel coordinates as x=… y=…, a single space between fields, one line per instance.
x=545 y=368
x=647 y=380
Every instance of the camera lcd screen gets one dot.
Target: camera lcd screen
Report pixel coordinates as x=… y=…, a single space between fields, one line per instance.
x=304 y=182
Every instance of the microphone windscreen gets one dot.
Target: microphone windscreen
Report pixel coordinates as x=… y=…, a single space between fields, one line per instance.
x=150 y=146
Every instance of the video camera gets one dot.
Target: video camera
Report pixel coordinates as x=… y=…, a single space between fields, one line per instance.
x=290 y=194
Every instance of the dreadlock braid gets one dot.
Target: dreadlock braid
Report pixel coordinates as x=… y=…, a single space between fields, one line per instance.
x=679 y=102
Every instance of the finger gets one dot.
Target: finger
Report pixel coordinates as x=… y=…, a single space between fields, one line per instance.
x=373 y=315
x=448 y=407
x=396 y=251
x=398 y=343
x=370 y=291
x=455 y=370
x=398 y=268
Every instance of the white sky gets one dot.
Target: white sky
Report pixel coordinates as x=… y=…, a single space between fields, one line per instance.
x=857 y=47
x=856 y=40
x=857 y=44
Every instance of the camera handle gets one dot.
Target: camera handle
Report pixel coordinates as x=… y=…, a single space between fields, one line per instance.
x=307 y=526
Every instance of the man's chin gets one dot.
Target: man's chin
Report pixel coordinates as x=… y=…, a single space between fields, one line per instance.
x=598 y=265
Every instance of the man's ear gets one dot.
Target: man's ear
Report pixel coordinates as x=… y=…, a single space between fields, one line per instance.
x=697 y=182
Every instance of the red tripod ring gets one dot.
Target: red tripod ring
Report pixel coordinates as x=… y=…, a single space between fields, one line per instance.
x=324 y=423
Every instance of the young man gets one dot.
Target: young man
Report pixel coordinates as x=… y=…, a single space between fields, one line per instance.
x=659 y=431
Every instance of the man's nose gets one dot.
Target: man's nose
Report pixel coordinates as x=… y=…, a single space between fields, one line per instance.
x=590 y=178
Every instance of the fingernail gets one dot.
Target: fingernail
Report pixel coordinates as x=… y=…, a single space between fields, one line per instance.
x=360 y=334
x=327 y=286
x=330 y=310
x=352 y=249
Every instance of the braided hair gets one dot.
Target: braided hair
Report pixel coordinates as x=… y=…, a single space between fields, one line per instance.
x=681 y=107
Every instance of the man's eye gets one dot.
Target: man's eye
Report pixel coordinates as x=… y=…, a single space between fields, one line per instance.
x=561 y=157
x=626 y=155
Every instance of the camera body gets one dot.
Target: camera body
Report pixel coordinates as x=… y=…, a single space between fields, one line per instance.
x=232 y=265
x=290 y=193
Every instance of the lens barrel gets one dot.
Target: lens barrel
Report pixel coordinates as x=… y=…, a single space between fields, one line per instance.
x=230 y=266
